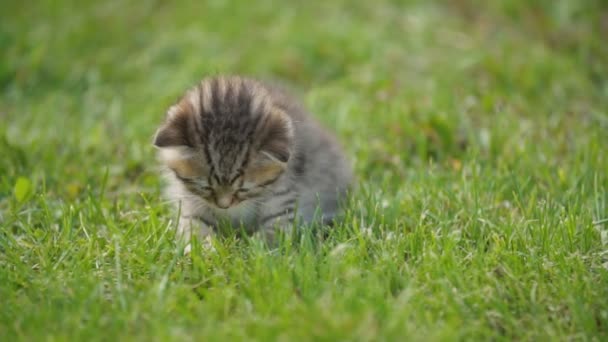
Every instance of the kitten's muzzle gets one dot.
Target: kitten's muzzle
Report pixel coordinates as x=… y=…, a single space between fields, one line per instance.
x=225 y=201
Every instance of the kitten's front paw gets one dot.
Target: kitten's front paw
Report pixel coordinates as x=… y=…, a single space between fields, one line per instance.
x=271 y=236
x=189 y=227
x=206 y=246
x=265 y=236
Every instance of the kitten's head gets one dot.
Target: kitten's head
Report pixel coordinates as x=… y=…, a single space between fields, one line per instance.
x=226 y=140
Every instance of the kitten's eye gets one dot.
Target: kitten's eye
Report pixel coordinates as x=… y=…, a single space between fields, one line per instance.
x=241 y=191
x=206 y=188
x=185 y=180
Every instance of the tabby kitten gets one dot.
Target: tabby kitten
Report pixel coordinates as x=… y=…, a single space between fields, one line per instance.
x=242 y=152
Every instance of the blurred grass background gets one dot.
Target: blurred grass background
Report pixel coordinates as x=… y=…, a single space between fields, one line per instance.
x=478 y=130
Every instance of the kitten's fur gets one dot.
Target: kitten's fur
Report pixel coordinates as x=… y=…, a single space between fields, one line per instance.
x=243 y=152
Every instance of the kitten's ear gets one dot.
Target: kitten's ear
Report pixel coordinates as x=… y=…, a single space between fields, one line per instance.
x=175 y=130
x=278 y=138
x=275 y=149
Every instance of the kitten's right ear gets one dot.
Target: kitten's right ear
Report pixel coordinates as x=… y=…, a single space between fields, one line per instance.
x=174 y=132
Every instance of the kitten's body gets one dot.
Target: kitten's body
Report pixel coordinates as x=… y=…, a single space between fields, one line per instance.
x=231 y=136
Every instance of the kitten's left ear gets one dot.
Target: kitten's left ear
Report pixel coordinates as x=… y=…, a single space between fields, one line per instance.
x=175 y=131
x=275 y=149
x=278 y=138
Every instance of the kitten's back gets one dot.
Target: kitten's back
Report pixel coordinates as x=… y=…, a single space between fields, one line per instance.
x=320 y=170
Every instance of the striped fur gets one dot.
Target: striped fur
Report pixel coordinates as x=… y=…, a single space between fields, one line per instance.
x=240 y=151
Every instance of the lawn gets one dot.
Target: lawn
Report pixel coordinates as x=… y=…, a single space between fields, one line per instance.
x=478 y=131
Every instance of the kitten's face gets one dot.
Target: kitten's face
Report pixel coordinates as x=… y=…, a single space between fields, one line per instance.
x=222 y=189
x=225 y=141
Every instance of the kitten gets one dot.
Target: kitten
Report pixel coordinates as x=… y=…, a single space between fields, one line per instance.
x=242 y=152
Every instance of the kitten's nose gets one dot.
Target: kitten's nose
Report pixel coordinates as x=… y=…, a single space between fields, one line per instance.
x=224 y=201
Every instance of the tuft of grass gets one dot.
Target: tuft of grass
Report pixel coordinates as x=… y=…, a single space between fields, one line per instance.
x=478 y=131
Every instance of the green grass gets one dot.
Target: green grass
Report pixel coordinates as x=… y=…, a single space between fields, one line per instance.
x=479 y=131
